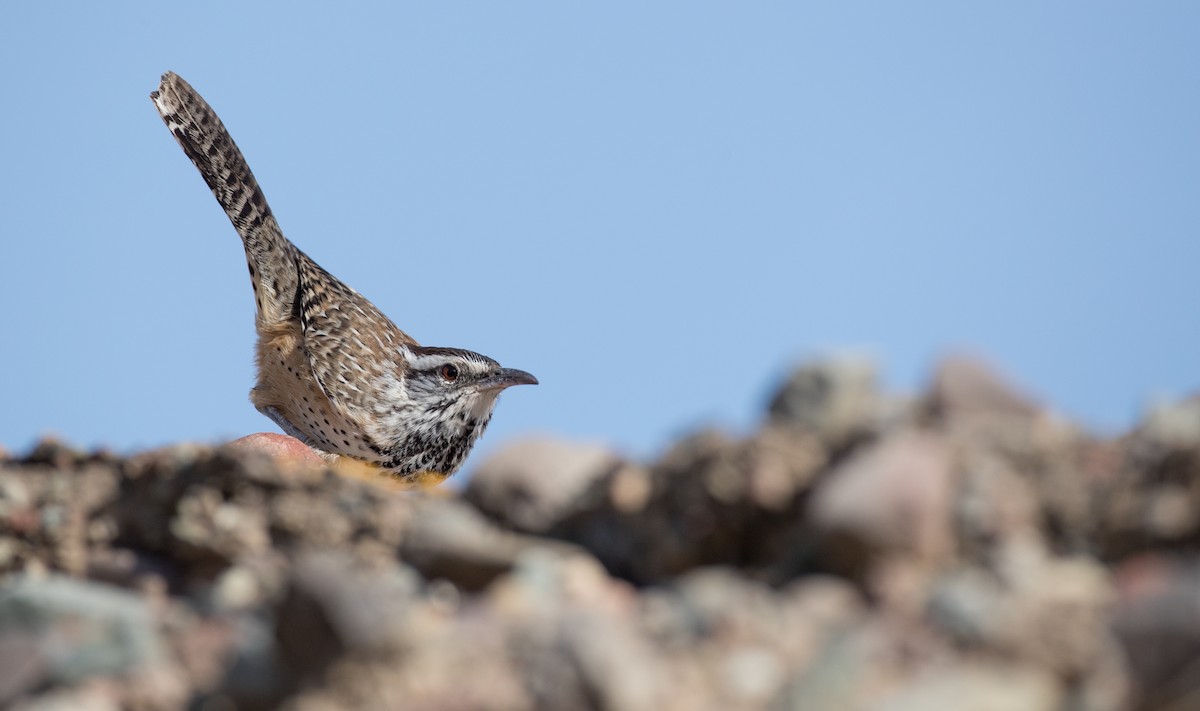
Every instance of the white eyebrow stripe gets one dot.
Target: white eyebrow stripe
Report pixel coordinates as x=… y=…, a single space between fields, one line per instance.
x=428 y=362
x=434 y=360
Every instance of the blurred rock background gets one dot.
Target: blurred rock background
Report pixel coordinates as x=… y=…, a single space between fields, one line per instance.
x=963 y=549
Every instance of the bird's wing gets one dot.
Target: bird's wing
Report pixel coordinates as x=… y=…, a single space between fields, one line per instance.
x=355 y=352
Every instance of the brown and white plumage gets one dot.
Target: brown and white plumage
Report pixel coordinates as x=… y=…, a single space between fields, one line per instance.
x=332 y=369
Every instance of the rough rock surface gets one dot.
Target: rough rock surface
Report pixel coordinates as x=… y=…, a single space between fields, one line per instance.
x=964 y=549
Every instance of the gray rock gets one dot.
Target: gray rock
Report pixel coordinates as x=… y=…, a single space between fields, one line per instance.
x=836 y=397
x=333 y=608
x=448 y=539
x=1172 y=425
x=532 y=485
x=1157 y=620
x=61 y=631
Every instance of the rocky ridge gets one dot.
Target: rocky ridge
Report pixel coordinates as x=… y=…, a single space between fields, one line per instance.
x=962 y=549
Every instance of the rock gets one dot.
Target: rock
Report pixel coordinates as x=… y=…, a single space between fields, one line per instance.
x=1152 y=495
x=63 y=631
x=572 y=629
x=1172 y=425
x=710 y=500
x=530 y=486
x=848 y=553
x=1047 y=610
x=893 y=497
x=332 y=609
x=279 y=447
x=737 y=641
x=975 y=686
x=966 y=387
x=993 y=503
x=208 y=526
x=836 y=398
x=853 y=669
x=447 y=539
x=1156 y=622
x=92 y=695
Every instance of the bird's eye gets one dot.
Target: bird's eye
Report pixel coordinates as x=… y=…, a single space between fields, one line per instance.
x=449 y=373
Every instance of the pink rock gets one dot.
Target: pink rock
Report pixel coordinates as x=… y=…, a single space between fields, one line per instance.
x=964 y=386
x=279 y=446
x=892 y=497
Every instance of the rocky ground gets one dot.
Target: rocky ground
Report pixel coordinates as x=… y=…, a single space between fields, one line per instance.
x=964 y=549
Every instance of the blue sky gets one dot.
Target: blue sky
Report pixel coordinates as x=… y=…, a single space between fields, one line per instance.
x=655 y=208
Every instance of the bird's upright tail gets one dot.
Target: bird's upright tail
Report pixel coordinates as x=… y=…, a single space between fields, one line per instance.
x=272 y=258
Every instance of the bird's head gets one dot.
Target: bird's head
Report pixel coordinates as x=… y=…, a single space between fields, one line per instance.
x=449 y=394
x=458 y=381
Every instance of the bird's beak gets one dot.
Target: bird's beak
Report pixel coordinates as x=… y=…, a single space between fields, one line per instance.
x=506 y=378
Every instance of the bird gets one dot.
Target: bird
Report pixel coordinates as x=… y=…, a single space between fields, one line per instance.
x=332 y=370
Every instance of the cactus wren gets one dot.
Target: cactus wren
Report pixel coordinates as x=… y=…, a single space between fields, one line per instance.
x=333 y=371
